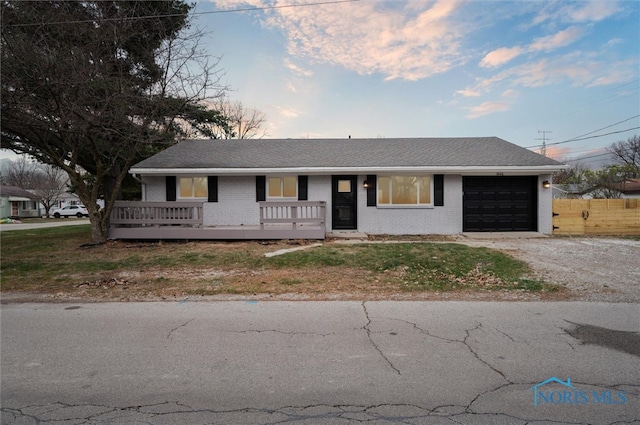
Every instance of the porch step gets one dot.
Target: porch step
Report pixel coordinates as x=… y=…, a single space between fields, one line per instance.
x=347 y=235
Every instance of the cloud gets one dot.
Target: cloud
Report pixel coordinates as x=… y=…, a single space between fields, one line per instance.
x=509 y=94
x=555 y=152
x=579 y=69
x=593 y=11
x=292 y=87
x=508 y=99
x=297 y=69
x=557 y=40
x=287 y=112
x=487 y=108
x=407 y=40
x=469 y=93
x=500 y=56
x=577 y=12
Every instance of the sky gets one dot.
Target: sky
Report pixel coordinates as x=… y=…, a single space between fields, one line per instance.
x=524 y=71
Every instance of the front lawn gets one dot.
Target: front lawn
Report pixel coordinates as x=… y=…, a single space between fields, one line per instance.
x=53 y=261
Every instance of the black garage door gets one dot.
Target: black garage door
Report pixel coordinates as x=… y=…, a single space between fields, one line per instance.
x=500 y=204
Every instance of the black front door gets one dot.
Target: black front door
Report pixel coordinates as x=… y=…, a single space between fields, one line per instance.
x=344 y=201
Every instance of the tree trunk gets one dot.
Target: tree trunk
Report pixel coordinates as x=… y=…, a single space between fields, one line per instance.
x=98 y=235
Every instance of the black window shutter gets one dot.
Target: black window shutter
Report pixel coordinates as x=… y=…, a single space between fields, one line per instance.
x=261 y=188
x=212 y=187
x=171 y=188
x=371 y=190
x=438 y=190
x=303 y=186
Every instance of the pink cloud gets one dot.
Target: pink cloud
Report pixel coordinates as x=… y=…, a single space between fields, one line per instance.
x=412 y=40
x=560 y=39
x=487 y=108
x=593 y=11
x=500 y=56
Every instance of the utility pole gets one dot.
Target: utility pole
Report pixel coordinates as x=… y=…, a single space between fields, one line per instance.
x=544 y=139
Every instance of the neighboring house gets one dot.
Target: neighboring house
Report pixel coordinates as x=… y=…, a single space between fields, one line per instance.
x=67 y=199
x=374 y=186
x=18 y=203
x=630 y=188
x=570 y=191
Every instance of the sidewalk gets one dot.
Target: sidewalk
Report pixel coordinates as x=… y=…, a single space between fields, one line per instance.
x=54 y=223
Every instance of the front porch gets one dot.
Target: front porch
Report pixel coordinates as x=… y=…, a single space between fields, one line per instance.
x=185 y=220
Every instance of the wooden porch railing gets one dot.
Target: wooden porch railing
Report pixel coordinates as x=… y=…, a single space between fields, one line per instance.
x=294 y=213
x=273 y=215
x=184 y=220
x=132 y=214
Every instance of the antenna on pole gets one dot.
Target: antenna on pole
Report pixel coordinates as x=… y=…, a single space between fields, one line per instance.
x=543 y=150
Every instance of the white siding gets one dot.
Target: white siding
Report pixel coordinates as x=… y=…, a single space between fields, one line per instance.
x=236 y=203
x=154 y=189
x=545 y=199
x=320 y=190
x=413 y=221
x=237 y=206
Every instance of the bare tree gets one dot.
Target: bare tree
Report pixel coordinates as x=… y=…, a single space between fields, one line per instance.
x=627 y=154
x=47 y=182
x=241 y=122
x=21 y=173
x=574 y=174
x=50 y=185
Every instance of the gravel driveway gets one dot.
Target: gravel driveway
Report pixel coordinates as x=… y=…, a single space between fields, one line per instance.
x=594 y=269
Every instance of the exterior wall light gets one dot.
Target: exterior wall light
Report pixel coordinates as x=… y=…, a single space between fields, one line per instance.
x=546 y=184
x=366 y=184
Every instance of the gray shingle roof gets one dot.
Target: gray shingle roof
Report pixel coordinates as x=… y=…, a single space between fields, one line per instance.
x=14 y=191
x=319 y=153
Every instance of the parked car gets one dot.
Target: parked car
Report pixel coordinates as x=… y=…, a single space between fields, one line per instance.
x=71 y=211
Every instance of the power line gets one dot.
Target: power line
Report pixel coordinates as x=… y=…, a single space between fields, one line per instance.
x=172 y=15
x=626 y=150
x=582 y=136
x=600 y=99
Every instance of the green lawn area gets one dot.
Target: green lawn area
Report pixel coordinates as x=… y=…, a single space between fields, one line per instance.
x=55 y=261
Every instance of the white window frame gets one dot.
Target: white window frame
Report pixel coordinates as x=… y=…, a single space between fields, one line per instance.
x=417 y=205
x=178 y=191
x=281 y=198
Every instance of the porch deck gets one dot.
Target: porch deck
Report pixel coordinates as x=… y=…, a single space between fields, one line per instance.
x=184 y=220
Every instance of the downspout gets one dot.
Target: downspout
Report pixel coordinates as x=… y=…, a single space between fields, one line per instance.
x=142 y=184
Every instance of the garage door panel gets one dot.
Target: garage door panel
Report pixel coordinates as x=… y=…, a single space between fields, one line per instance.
x=499 y=203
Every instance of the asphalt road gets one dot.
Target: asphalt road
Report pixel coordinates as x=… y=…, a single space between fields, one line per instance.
x=321 y=363
x=71 y=221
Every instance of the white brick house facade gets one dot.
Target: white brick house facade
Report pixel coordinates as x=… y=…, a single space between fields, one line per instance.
x=476 y=184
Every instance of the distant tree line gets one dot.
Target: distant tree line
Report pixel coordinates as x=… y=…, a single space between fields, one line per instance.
x=605 y=182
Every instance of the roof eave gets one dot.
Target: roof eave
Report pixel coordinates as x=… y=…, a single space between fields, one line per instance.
x=490 y=170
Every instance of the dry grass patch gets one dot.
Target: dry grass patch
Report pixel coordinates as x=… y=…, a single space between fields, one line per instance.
x=54 y=261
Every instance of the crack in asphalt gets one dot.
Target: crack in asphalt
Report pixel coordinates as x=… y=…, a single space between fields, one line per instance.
x=462 y=341
x=178 y=327
x=368 y=331
x=400 y=413
x=506 y=334
x=475 y=354
x=277 y=332
x=423 y=331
